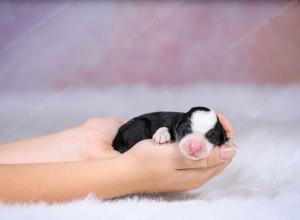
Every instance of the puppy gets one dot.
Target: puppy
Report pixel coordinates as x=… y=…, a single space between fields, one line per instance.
x=196 y=131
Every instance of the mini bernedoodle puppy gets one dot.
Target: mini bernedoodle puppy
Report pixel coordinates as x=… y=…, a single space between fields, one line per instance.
x=197 y=131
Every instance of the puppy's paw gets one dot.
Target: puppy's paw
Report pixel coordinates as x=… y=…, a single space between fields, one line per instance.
x=162 y=135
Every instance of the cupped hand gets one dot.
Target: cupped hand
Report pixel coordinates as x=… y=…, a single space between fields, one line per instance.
x=96 y=136
x=163 y=168
x=156 y=168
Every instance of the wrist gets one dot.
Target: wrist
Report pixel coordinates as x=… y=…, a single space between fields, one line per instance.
x=116 y=177
x=133 y=173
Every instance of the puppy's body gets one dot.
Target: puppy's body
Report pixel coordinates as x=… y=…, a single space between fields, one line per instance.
x=144 y=127
x=197 y=131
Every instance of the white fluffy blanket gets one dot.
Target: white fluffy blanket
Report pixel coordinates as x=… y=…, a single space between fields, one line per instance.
x=262 y=182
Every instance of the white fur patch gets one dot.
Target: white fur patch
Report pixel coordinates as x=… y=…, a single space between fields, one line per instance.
x=203 y=121
x=162 y=135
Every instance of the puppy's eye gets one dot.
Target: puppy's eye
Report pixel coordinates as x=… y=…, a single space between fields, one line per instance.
x=183 y=126
x=210 y=134
x=214 y=137
x=182 y=130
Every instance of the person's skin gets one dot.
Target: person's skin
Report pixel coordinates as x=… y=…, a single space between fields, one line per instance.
x=85 y=162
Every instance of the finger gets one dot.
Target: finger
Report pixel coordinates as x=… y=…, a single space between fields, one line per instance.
x=99 y=148
x=113 y=153
x=108 y=154
x=201 y=176
x=122 y=121
x=226 y=124
x=115 y=124
x=118 y=122
x=217 y=156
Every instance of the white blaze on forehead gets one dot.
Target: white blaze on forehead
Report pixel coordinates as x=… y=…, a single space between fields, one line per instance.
x=203 y=121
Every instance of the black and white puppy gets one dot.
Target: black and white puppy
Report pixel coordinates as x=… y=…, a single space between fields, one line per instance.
x=196 y=131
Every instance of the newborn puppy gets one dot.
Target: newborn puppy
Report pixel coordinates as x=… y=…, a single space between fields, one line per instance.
x=196 y=131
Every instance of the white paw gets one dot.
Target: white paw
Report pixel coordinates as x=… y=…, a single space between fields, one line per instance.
x=162 y=135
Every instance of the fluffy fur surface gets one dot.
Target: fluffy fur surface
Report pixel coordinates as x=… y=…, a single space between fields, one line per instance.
x=262 y=182
x=208 y=120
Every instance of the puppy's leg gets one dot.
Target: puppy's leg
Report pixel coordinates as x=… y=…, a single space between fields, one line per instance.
x=162 y=135
x=129 y=134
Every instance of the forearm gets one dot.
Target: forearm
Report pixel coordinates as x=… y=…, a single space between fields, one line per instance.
x=55 y=182
x=61 y=146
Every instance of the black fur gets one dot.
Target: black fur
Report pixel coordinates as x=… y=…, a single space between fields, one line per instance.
x=144 y=126
x=217 y=135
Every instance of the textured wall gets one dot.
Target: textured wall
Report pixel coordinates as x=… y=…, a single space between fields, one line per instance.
x=55 y=44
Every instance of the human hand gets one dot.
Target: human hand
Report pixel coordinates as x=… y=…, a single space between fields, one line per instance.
x=162 y=168
x=97 y=135
x=230 y=132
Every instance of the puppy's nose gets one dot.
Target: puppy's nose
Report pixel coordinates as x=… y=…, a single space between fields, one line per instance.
x=195 y=147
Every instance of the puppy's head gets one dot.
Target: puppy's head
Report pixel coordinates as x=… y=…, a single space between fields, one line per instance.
x=198 y=131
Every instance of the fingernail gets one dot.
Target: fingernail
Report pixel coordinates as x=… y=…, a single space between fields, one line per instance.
x=227 y=153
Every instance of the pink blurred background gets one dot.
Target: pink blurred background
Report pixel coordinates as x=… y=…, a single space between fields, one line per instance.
x=52 y=44
x=63 y=62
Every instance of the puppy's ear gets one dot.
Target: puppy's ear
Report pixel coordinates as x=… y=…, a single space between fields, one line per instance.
x=225 y=138
x=199 y=108
x=217 y=135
